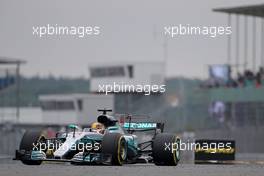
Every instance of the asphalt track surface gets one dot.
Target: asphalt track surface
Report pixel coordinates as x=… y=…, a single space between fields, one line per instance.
x=15 y=168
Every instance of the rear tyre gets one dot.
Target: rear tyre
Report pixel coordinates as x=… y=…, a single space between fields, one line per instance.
x=166 y=149
x=115 y=145
x=26 y=144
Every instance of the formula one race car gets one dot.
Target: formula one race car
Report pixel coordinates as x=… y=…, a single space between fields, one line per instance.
x=106 y=141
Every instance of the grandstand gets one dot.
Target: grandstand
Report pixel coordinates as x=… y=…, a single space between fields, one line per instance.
x=237 y=108
x=245 y=101
x=256 y=12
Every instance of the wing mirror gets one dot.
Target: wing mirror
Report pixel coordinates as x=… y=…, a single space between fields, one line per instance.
x=74 y=127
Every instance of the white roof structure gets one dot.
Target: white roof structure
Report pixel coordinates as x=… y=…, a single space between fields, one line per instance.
x=131 y=73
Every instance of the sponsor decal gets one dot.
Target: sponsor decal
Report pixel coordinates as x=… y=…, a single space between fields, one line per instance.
x=141 y=125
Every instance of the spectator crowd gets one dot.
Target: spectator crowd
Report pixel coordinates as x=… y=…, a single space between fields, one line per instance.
x=248 y=78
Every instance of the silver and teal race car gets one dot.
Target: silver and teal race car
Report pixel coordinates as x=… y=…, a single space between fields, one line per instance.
x=116 y=144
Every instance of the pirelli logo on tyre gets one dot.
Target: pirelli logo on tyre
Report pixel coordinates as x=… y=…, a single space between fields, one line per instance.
x=214 y=150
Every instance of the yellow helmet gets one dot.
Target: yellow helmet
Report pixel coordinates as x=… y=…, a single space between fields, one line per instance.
x=97 y=126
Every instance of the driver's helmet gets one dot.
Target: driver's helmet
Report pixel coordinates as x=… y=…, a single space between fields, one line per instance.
x=98 y=127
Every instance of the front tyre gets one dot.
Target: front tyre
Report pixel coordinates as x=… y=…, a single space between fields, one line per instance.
x=115 y=145
x=166 y=149
x=28 y=139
